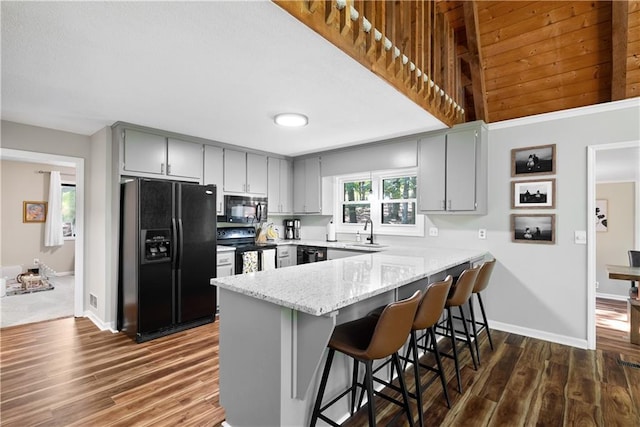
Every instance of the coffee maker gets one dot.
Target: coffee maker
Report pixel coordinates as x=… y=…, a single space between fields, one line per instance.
x=291 y=229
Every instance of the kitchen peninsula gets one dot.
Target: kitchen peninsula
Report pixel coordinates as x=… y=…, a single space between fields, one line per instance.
x=275 y=325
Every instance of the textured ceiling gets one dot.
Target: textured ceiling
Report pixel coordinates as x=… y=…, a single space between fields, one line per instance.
x=216 y=70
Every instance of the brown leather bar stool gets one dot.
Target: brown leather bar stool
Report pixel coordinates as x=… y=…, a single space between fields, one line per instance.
x=482 y=281
x=429 y=312
x=365 y=340
x=458 y=296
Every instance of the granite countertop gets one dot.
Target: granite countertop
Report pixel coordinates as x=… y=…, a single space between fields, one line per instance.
x=323 y=287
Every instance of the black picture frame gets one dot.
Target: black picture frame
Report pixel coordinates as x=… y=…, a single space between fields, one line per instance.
x=533 y=228
x=535 y=160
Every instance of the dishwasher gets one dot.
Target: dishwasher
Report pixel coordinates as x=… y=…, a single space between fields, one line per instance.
x=307 y=254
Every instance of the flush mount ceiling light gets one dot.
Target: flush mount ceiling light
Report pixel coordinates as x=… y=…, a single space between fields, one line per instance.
x=291 y=120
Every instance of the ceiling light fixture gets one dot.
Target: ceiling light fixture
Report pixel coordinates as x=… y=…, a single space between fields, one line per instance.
x=291 y=120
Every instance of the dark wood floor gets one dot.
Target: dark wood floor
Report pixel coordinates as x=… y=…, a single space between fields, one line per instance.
x=68 y=373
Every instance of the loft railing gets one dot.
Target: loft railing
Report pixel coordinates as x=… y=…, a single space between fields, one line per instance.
x=407 y=43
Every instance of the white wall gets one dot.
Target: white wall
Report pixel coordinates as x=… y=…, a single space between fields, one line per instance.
x=536 y=290
x=612 y=245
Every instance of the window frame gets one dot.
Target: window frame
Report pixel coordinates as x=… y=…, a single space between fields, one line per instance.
x=376 y=201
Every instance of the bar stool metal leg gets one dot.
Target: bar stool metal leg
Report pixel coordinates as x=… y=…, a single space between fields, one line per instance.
x=466 y=332
x=323 y=385
x=484 y=318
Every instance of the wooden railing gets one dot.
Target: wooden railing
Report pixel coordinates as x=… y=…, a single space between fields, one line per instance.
x=407 y=43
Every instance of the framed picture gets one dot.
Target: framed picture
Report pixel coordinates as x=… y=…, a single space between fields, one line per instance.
x=602 y=215
x=536 y=194
x=34 y=211
x=533 y=160
x=533 y=228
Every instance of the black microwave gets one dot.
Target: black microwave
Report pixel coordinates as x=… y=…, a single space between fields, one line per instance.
x=243 y=209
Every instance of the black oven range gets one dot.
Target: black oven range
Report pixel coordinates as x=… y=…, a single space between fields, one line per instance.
x=250 y=255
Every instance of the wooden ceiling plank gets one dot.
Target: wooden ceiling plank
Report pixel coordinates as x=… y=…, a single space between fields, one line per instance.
x=619 y=31
x=557 y=92
x=475 y=60
x=550 y=81
x=491 y=13
x=512 y=12
x=557 y=56
x=553 y=15
x=495 y=81
x=551 y=105
x=581 y=22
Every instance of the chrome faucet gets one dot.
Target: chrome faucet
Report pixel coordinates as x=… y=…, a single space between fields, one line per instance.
x=368 y=221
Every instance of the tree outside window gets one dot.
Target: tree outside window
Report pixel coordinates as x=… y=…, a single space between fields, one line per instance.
x=68 y=210
x=356 y=207
x=399 y=206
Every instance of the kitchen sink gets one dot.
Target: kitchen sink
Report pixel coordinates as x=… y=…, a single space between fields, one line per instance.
x=368 y=245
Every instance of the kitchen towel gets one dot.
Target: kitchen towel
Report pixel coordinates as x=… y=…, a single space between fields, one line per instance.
x=249 y=262
x=269 y=259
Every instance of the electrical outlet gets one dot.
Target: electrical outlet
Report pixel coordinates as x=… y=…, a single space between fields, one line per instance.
x=36 y=261
x=433 y=231
x=482 y=233
x=93 y=301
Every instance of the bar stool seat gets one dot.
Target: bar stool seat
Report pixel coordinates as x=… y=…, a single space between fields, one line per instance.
x=365 y=340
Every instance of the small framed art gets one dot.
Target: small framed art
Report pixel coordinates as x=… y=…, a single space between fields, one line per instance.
x=536 y=194
x=34 y=211
x=533 y=228
x=540 y=159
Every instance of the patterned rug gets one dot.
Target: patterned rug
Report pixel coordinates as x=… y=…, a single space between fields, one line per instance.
x=16 y=288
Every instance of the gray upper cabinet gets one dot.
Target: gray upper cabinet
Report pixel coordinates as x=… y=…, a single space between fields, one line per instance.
x=279 y=185
x=214 y=173
x=147 y=153
x=245 y=172
x=452 y=171
x=307 y=185
x=184 y=159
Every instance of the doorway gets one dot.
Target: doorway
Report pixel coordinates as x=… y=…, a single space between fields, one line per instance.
x=78 y=165
x=628 y=162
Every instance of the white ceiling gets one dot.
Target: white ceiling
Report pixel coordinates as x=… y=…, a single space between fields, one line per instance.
x=216 y=70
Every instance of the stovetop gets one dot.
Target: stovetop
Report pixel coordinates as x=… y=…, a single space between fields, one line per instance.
x=241 y=238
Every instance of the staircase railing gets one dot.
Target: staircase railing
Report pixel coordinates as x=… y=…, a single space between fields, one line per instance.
x=407 y=43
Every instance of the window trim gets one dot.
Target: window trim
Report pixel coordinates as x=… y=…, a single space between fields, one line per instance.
x=75 y=186
x=376 y=202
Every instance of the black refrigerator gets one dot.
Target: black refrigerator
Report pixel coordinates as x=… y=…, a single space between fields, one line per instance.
x=167 y=257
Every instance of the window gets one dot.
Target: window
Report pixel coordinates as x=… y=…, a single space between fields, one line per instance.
x=399 y=195
x=355 y=201
x=69 y=210
x=389 y=198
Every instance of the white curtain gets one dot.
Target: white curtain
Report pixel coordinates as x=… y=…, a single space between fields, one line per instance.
x=53 y=226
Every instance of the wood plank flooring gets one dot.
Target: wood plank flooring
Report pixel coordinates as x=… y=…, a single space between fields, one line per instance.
x=68 y=373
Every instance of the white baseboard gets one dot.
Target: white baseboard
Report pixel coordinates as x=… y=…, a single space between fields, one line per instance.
x=541 y=335
x=65 y=273
x=612 y=296
x=99 y=323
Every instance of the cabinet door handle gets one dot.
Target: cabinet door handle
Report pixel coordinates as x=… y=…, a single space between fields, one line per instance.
x=248 y=188
x=162 y=168
x=444 y=206
x=449 y=202
x=168 y=169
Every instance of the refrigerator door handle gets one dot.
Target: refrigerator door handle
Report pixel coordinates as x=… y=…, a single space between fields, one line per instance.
x=174 y=232
x=180 y=244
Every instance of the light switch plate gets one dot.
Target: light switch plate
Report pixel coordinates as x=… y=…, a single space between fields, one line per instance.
x=580 y=237
x=433 y=231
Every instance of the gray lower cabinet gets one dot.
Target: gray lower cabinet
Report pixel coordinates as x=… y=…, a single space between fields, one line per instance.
x=279 y=182
x=452 y=171
x=342 y=253
x=214 y=173
x=153 y=154
x=307 y=185
x=286 y=256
